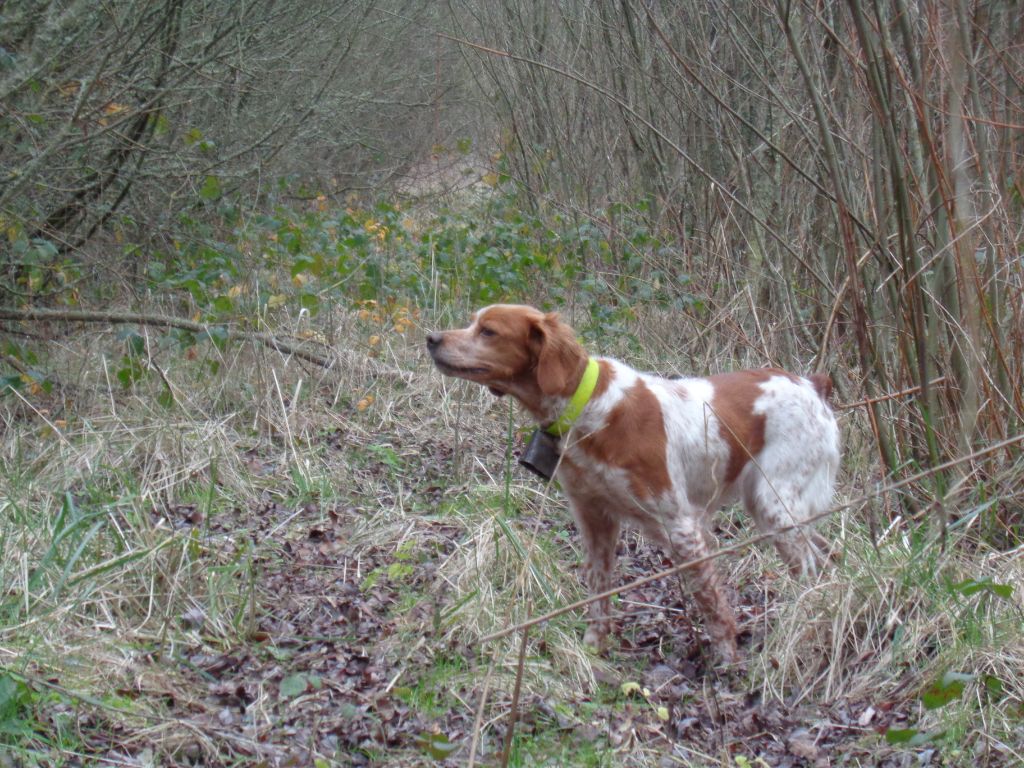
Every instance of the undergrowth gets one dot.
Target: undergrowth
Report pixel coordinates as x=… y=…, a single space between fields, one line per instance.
x=212 y=552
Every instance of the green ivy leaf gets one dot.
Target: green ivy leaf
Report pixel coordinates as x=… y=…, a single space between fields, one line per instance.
x=134 y=341
x=9 y=697
x=994 y=685
x=302 y=264
x=130 y=372
x=14 y=698
x=910 y=736
x=293 y=685
x=223 y=304
x=218 y=335
x=973 y=586
x=900 y=735
x=437 y=745
x=184 y=339
x=211 y=188
x=948 y=688
x=166 y=398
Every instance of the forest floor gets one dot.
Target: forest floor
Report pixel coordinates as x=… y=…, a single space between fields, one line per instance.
x=292 y=567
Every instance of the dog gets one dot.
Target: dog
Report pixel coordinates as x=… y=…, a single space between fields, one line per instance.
x=662 y=454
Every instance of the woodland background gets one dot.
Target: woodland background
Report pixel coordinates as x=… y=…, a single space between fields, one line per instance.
x=241 y=518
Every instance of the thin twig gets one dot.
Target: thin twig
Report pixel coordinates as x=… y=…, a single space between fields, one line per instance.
x=300 y=350
x=478 y=722
x=888 y=396
x=514 y=712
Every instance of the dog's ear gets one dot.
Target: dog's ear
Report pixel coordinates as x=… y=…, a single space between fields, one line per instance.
x=559 y=355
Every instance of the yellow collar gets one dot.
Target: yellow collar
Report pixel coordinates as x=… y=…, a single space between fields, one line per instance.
x=579 y=401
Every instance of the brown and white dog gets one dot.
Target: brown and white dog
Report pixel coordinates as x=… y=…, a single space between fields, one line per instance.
x=660 y=453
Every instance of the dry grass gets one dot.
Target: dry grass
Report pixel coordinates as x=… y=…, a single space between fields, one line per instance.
x=132 y=532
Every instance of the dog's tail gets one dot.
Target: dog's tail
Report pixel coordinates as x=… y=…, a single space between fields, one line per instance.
x=822 y=384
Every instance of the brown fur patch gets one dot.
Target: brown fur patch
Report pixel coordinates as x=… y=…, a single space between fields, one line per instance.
x=822 y=385
x=560 y=359
x=634 y=439
x=733 y=404
x=605 y=375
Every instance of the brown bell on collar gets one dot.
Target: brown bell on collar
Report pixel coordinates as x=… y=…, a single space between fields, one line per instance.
x=541 y=454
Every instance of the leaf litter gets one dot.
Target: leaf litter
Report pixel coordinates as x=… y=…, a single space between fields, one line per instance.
x=341 y=658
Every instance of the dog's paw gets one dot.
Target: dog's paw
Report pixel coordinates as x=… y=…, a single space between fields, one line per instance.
x=727 y=651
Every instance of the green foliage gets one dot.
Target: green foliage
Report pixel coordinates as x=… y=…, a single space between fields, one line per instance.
x=32 y=716
x=39 y=269
x=437 y=745
x=32 y=379
x=970 y=587
x=909 y=736
x=211 y=189
x=430 y=694
x=398 y=571
x=228 y=268
x=133 y=365
x=298 y=684
x=231 y=265
x=552 y=745
x=947 y=688
x=15 y=708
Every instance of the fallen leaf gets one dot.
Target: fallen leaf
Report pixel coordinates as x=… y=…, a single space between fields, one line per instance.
x=629 y=688
x=801 y=744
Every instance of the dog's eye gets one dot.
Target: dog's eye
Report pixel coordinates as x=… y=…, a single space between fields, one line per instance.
x=487 y=332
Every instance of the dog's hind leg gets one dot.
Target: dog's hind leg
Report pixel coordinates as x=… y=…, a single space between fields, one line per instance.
x=784 y=503
x=687 y=543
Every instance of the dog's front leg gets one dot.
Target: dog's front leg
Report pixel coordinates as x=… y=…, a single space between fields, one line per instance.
x=600 y=532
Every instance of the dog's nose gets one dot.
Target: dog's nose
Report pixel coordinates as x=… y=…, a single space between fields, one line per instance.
x=434 y=340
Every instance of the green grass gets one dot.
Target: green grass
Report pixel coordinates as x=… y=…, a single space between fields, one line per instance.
x=548 y=745
x=431 y=692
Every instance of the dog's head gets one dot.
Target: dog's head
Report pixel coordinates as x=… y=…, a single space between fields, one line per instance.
x=512 y=349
